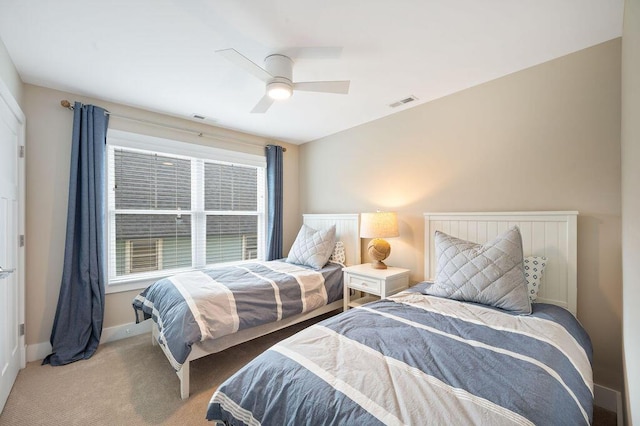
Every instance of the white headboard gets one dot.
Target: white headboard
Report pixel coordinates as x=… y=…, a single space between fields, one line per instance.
x=550 y=234
x=347 y=231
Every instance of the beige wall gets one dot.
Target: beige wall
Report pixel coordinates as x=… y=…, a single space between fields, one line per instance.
x=49 y=128
x=631 y=205
x=546 y=138
x=9 y=74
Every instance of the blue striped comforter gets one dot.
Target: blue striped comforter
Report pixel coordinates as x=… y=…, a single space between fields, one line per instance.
x=196 y=306
x=416 y=359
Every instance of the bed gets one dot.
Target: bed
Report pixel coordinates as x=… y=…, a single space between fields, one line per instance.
x=199 y=313
x=418 y=358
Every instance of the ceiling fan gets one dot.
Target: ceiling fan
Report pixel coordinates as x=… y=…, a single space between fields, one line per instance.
x=278 y=77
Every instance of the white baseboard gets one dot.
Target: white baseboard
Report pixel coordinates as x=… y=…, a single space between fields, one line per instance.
x=608 y=399
x=125 y=330
x=38 y=351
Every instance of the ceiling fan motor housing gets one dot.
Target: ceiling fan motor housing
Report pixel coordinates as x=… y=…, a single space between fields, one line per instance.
x=280 y=67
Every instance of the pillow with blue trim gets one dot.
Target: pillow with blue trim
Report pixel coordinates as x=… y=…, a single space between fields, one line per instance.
x=312 y=247
x=338 y=255
x=533 y=269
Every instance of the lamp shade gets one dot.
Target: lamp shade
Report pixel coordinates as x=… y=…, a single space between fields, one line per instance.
x=379 y=225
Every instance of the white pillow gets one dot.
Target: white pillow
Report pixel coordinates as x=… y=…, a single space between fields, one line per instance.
x=338 y=255
x=533 y=269
x=312 y=247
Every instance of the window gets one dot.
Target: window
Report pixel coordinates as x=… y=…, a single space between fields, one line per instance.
x=175 y=207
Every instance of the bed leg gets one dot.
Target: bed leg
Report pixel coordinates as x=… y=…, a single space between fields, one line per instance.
x=183 y=375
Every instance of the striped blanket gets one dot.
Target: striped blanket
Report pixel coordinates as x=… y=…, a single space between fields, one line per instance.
x=196 y=306
x=416 y=359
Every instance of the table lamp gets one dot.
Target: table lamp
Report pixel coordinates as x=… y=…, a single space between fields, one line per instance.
x=379 y=225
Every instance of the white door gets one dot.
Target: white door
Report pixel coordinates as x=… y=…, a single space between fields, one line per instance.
x=12 y=351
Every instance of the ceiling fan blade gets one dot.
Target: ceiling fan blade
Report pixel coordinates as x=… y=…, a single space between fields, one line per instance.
x=263 y=105
x=243 y=62
x=339 y=87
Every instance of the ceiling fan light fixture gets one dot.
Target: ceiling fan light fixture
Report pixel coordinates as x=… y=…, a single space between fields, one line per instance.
x=277 y=75
x=279 y=90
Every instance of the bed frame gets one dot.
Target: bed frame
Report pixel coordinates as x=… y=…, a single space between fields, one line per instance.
x=347 y=231
x=551 y=234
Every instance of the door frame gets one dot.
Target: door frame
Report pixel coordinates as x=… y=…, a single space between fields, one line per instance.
x=7 y=97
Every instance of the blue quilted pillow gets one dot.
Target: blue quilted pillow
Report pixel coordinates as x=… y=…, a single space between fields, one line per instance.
x=312 y=247
x=491 y=274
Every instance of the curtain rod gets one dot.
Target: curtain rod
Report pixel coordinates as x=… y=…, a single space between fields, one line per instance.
x=66 y=104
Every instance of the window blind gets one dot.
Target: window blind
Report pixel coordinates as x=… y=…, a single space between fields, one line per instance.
x=169 y=213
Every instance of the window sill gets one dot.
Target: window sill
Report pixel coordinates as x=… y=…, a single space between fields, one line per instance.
x=118 y=286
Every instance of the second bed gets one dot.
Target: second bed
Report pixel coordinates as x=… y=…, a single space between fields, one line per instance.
x=203 y=312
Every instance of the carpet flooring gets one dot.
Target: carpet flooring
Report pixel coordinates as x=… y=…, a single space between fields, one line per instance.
x=130 y=382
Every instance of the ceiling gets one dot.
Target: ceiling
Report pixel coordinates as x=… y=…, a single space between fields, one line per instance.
x=159 y=54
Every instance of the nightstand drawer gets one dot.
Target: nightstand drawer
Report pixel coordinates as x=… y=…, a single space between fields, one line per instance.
x=364 y=284
x=372 y=284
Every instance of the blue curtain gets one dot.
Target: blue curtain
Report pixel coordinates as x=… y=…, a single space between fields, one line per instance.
x=78 y=322
x=274 y=202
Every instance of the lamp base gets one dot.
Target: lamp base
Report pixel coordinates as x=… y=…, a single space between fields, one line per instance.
x=378 y=250
x=379 y=265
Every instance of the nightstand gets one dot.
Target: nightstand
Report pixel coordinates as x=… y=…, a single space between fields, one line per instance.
x=376 y=283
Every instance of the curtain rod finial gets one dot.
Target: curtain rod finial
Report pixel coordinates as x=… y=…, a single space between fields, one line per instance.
x=65 y=103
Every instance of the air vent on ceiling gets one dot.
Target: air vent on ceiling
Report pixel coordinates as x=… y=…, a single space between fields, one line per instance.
x=403 y=101
x=203 y=118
